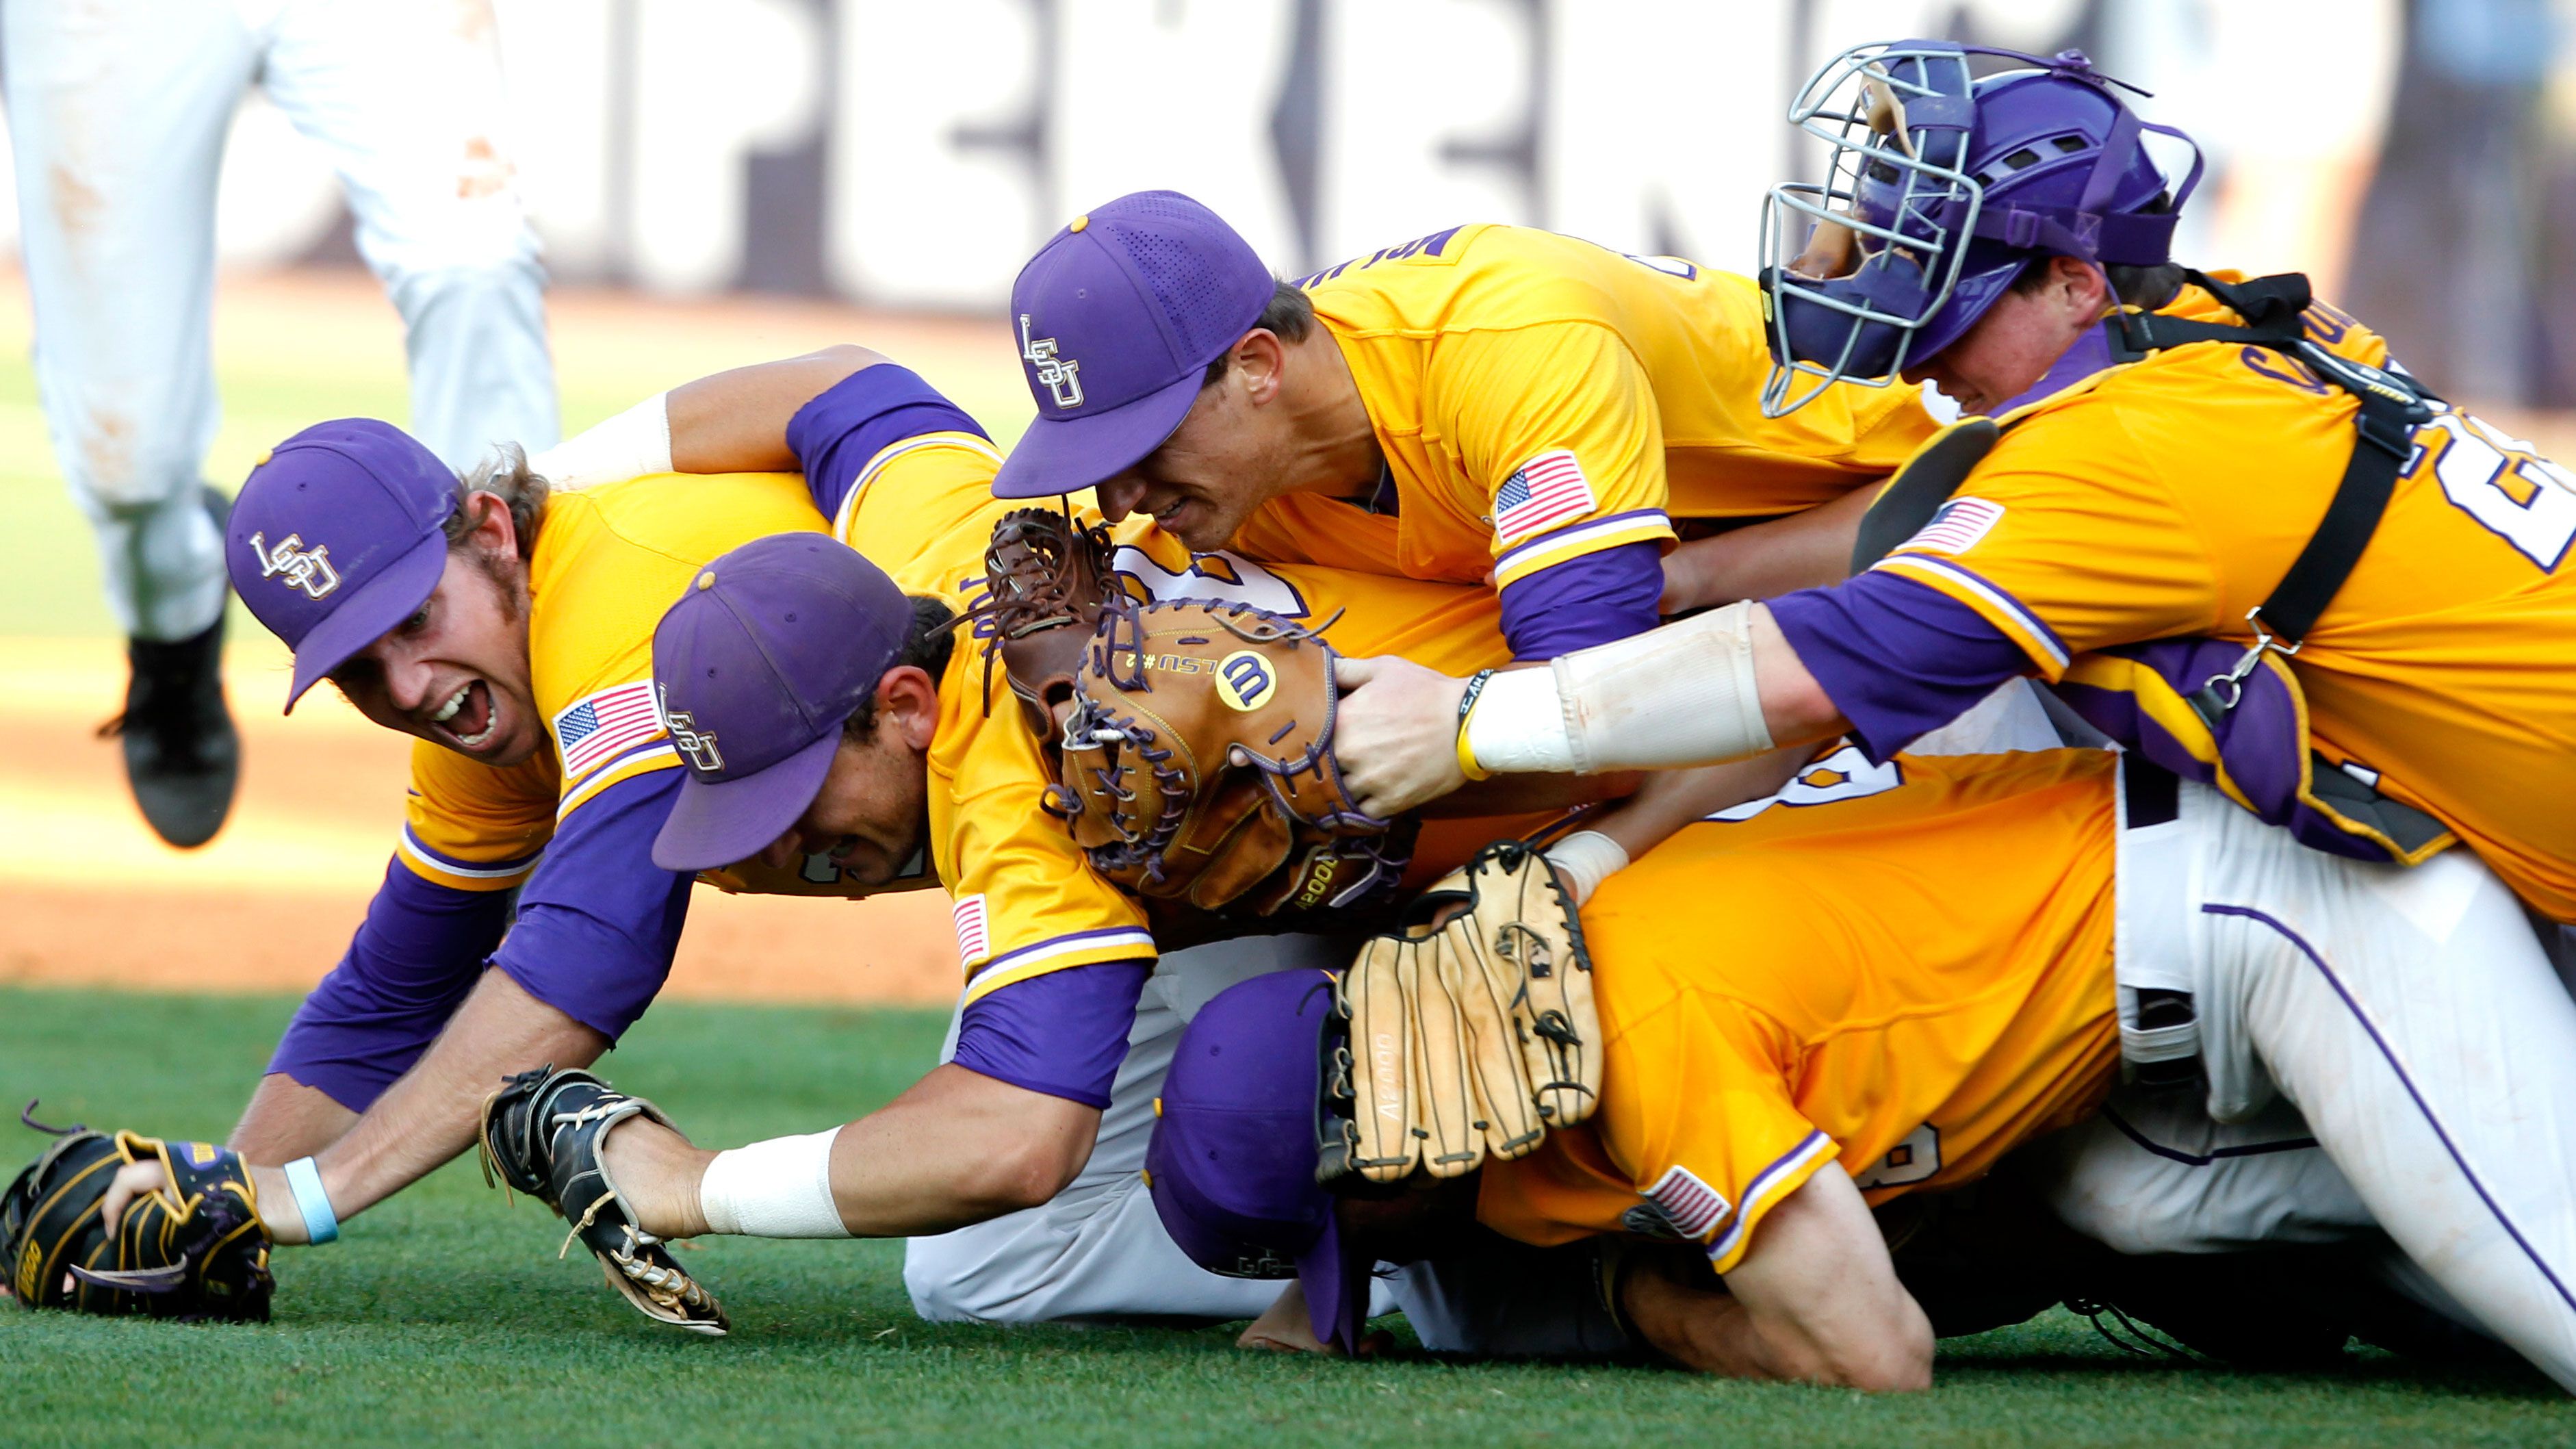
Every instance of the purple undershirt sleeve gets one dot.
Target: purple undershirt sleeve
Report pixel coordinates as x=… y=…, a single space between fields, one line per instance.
x=1590 y=599
x=1063 y=1033
x=853 y=420
x=598 y=923
x=415 y=956
x=1898 y=658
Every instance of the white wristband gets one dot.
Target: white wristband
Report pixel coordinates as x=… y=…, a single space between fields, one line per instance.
x=1683 y=694
x=781 y=1188
x=629 y=445
x=1518 y=726
x=304 y=1184
x=1587 y=858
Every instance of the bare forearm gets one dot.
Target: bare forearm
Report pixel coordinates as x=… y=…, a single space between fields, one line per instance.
x=957 y=1153
x=1764 y=560
x=1671 y=799
x=957 y=1148
x=736 y=422
x=435 y=1110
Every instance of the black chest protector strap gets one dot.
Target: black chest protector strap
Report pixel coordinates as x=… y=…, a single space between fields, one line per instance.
x=2391 y=407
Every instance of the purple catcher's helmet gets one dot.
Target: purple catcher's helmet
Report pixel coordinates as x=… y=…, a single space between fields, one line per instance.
x=1940 y=187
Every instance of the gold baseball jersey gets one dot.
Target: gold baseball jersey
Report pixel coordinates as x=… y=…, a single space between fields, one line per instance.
x=1903 y=967
x=1541 y=400
x=905 y=478
x=2168 y=496
x=607 y=562
x=1024 y=900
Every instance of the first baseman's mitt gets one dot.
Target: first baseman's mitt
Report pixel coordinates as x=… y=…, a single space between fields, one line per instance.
x=541 y=1135
x=1196 y=765
x=1468 y=1033
x=191 y=1249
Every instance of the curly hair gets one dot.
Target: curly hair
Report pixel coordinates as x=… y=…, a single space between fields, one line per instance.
x=506 y=476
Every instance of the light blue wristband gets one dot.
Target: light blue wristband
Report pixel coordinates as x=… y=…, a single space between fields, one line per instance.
x=320 y=1223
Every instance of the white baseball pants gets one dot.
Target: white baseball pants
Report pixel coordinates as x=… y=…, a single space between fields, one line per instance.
x=2409 y=1018
x=118 y=111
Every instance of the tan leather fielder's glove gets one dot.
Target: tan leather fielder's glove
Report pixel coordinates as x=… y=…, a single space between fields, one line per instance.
x=1469 y=1033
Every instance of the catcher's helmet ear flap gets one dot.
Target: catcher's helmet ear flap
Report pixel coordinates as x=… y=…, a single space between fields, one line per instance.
x=1940 y=187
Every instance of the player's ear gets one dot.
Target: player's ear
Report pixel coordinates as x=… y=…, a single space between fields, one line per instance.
x=908 y=702
x=2083 y=286
x=493 y=530
x=1258 y=357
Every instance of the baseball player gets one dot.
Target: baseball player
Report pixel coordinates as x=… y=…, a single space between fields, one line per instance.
x=509 y=629
x=1487 y=404
x=117 y=117
x=2362 y=577
x=1484 y=404
x=1929 y=962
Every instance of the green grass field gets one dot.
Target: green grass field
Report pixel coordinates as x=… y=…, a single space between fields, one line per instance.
x=443 y=1317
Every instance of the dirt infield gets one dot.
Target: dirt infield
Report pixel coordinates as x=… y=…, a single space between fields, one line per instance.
x=89 y=897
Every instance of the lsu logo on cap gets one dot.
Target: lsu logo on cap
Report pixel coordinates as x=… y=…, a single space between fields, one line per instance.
x=308 y=569
x=699 y=745
x=1244 y=680
x=1060 y=376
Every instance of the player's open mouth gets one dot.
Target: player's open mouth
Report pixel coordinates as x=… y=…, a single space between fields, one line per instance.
x=468 y=716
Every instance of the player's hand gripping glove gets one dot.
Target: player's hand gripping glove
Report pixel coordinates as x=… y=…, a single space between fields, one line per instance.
x=1195 y=765
x=541 y=1135
x=1468 y=1033
x=191 y=1249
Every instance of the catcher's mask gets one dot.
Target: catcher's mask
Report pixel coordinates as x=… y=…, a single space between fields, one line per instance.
x=1939 y=188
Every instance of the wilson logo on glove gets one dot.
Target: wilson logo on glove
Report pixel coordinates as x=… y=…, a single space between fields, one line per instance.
x=1243 y=681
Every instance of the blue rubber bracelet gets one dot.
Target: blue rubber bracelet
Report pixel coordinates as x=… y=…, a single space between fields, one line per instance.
x=320 y=1223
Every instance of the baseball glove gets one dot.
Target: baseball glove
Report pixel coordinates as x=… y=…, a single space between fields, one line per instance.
x=1468 y=1033
x=1047 y=579
x=541 y=1135
x=1195 y=765
x=192 y=1249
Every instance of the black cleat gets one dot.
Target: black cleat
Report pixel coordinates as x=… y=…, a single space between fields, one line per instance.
x=182 y=755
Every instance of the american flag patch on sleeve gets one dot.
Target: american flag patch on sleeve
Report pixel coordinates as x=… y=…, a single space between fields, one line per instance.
x=973 y=942
x=1956 y=526
x=1545 y=491
x=605 y=724
x=1689 y=1204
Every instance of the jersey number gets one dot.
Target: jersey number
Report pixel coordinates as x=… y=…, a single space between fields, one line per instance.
x=1912 y=1160
x=1846 y=774
x=2504 y=484
x=1227 y=578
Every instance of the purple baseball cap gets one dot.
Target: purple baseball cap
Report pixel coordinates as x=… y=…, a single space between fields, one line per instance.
x=336 y=538
x=1232 y=1161
x=1116 y=319
x=768 y=652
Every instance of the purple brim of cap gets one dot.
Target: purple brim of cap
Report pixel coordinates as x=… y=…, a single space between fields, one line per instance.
x=1066 y=455
x=1337 y=1291
x=368 y=615
x=717 y=824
